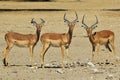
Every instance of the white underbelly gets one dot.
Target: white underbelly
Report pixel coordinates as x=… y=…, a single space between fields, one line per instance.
x=55 y=43
x=21 y=43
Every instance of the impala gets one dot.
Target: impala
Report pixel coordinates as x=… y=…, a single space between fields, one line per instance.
x=58 y=40
x=104 y=37
x=22 y=40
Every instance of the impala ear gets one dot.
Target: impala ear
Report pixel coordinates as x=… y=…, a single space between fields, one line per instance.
x=43 y=21
x=67 y=22
x=94 y=27
x=84 y=26
x=33 y=22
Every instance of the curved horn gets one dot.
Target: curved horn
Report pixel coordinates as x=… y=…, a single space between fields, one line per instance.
x=94 y=25
x=42 y=21
x=65 y=20
x=76 y=20
x=84 y=25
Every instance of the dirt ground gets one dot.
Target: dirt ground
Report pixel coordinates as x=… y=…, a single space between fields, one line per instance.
x=80 y=48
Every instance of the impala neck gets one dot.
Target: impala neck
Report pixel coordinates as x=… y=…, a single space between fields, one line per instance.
x=70 y=32
x=37 y=35
x=91 y=38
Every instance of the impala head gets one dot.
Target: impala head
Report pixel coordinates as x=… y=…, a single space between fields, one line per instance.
x=71 y=24
x=89 y=29
x=38 y=26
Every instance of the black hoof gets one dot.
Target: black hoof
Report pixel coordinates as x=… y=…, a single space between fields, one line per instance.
x=4 y=62
x=42 y=66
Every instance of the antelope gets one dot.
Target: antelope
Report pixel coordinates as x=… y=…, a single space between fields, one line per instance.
x=22 y=40
x=104 y=37
x=58 y=40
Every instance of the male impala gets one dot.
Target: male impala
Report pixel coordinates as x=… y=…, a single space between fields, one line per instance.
x=104 y=37
x=29 y=40
x=58 y=40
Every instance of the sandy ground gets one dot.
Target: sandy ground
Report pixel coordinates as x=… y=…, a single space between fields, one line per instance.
x=80 y=49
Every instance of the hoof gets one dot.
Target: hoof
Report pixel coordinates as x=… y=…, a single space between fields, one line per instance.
x=42 y=66
x=4 y=62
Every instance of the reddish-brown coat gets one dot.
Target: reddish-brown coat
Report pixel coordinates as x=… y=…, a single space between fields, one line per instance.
x=58 y=40
x=21 y=40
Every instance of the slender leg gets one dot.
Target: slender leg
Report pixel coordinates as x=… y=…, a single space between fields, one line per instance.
x=114 y=50
x=31 y=54
x=108 y=56
x=98 y=52
x=108 y=53
x=93 y=51
x=44 y=50
x=68 y=58
x=62 y=50
x=5 y=60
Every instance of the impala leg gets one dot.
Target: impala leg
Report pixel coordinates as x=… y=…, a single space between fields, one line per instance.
x=108 y=57
x=114 y=51
x=93 y=51
x=108 y=53
x=92 y=56
x=5 y=60
x=98 y=53
x=68 y=58
x=62 y=50
x=44 y=50
x=31 y=54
